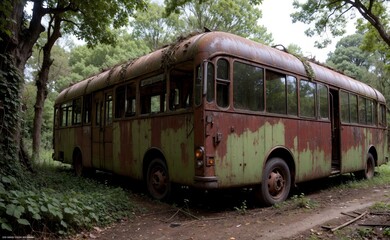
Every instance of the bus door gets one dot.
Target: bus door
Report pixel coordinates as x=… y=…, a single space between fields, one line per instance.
x=335 y=120
x=97 y=130
x=102 y=131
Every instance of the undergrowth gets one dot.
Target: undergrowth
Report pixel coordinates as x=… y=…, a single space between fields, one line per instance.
x=56 y=203
x=382 y=177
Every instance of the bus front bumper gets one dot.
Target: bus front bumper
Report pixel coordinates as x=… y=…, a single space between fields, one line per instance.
x=205 y=182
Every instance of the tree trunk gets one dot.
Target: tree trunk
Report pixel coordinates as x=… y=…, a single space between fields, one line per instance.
x=18 y=49
x=42 y=92
x=42 y=82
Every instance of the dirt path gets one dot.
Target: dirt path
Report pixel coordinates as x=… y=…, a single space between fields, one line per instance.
x=234 y=216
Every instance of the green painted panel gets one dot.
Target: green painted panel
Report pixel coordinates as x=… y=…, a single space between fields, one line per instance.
x=178 y=148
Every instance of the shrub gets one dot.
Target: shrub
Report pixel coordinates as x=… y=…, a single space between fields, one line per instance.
x=56 y=203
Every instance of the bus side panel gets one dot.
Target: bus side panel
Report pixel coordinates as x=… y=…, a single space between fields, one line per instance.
x=354 y=148
x=83 y=141
x=177 y=143
x=381 y=137
x=67 y=139
x=315 y=150
x=241 y=144
x=131 y=139
x=172 y=135
x=237 y=143
x=355 y=143
x=64 y=144
x=57 y=146
x=123 y=159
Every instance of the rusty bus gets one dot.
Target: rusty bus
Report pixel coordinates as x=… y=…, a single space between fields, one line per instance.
x=215 y=111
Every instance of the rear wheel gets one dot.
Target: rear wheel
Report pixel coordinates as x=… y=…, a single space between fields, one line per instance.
x=157 y=180
x=78 y=164
x=369 y=169
x=79 y=169
x=276 y=182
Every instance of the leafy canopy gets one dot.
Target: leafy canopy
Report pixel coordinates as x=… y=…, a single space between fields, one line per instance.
x=155 y=28
x=175 y=5
x=331 y=16
x=93 y=21
x=236 y=16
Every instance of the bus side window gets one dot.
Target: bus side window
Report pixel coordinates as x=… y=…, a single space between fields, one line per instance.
x=125 y=101
x=370 y=112
x=292 y=96
x=276 y=101
x=180 y=88
x=375 y=112
x=63 y=115
x=153 y=91
x=322 y=98
x=382 y=115
x=362 y=110
x=120 y=102
x=210 y=82
x=66 y=114
x=130 y=100
x=344 y=104
x=76 y=119
x=108 y=108
x=248 y=87
x=307 y=92
x=56 y=117
x=98 y=113
x=353 y=104
x=223 y=83
x=87 y=108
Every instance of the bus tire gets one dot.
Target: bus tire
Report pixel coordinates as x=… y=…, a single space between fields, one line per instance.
x=157 y=180
x=276 y=182
x=77 y=163
x=369 y=169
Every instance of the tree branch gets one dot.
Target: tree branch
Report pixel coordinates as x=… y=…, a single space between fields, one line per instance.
x=371 y=18
x=59 y=10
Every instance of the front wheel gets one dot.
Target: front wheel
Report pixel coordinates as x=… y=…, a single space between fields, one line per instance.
x=369 y=169
x=276 y=182
x=157 y=180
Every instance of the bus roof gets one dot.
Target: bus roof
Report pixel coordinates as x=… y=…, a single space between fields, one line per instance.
x=211 y=44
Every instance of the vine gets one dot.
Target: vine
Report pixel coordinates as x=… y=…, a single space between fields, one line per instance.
x=10 y=80
x=305 y=62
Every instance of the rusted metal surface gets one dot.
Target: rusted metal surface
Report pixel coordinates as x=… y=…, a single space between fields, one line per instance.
x=170 y=135
x=356 y=143
x=238 y=144
x=248 y=140
x=215 y=43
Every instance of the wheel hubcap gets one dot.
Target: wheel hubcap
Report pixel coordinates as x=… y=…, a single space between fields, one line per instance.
x=159 y=181
x=275 y=183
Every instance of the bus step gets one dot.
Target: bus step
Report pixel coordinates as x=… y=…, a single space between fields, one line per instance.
x=335 y=171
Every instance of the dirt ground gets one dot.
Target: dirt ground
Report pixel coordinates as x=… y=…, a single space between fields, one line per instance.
x=232 y=215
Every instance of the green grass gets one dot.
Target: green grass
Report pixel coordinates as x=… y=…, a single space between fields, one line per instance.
x=380 y=207
x=53 y=202
x=382 y=177
x=299 y=201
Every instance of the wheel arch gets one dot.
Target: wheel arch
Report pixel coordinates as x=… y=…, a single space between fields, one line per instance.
x=374 y=153
x=287 y=156
x=77 y=162
x=151 y=154
x=76 y=151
